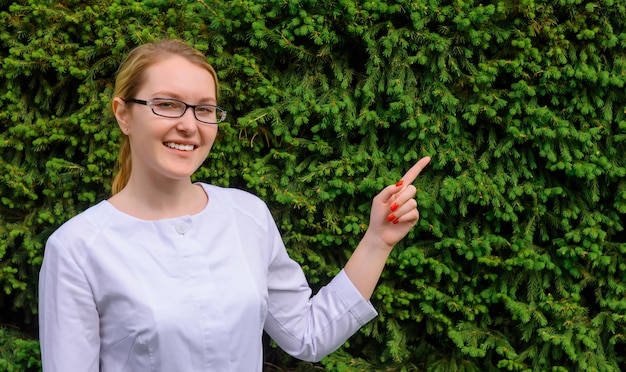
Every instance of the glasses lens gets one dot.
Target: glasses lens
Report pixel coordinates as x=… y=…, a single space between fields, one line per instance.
x=168 y=108
x=208 y=113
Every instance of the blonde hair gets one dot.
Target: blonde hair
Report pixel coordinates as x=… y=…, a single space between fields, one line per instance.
x=130 y=77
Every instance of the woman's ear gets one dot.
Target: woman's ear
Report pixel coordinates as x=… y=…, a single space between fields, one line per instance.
x=120 y=110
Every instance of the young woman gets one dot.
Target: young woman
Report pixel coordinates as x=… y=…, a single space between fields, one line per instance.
x=169 y=275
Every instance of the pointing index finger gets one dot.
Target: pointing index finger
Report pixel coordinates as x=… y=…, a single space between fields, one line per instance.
x=415 y=170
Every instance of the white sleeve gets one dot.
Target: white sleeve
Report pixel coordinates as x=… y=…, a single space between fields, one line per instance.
x=310 y=328
x=68 y=318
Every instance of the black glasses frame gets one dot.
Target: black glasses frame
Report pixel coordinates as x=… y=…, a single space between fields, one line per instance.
x=221 y=116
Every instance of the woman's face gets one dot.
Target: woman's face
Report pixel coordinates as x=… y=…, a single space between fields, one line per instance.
x=168 y=148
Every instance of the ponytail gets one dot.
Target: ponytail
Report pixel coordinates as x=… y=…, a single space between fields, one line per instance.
x=124 y=167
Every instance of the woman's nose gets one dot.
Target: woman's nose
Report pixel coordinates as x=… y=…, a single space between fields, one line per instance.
x=188 y=122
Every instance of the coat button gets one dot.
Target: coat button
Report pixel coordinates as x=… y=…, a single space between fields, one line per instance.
x=181 y=228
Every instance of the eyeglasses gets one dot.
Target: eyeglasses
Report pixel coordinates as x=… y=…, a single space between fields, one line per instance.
x=173 y=108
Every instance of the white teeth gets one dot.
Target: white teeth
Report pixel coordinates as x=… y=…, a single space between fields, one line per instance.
x=178 y=146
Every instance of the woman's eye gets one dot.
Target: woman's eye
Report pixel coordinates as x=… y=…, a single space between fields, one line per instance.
x=204 y=109
x=167 y=105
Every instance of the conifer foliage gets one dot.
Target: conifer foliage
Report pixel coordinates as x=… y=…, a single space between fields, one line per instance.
x=518 y=261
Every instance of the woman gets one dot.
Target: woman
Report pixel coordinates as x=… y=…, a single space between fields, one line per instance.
x=170 y=275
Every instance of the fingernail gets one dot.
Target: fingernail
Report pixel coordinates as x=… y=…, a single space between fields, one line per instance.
x=391 y=217
x=394 y=206
x=396 y=221
x=399 y=183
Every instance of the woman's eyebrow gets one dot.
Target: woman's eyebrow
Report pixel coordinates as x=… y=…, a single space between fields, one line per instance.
x=169 y=94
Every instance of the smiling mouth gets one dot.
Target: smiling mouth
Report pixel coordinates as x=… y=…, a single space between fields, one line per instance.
x=180 y=147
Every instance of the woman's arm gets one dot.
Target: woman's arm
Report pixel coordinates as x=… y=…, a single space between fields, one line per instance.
x=68 y=318
x=394 y=213
x=310 y=328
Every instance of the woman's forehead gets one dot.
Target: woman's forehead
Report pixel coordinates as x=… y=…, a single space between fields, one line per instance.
x=180 y=77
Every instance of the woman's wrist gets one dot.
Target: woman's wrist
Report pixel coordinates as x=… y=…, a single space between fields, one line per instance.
x=374 y=241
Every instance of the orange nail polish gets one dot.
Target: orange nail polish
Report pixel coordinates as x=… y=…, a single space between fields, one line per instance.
x=394 y=206
x=391 y=217
x=399 y=183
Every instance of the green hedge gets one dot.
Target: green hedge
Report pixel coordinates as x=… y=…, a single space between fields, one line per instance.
x=518 y=260
x=18 y=354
